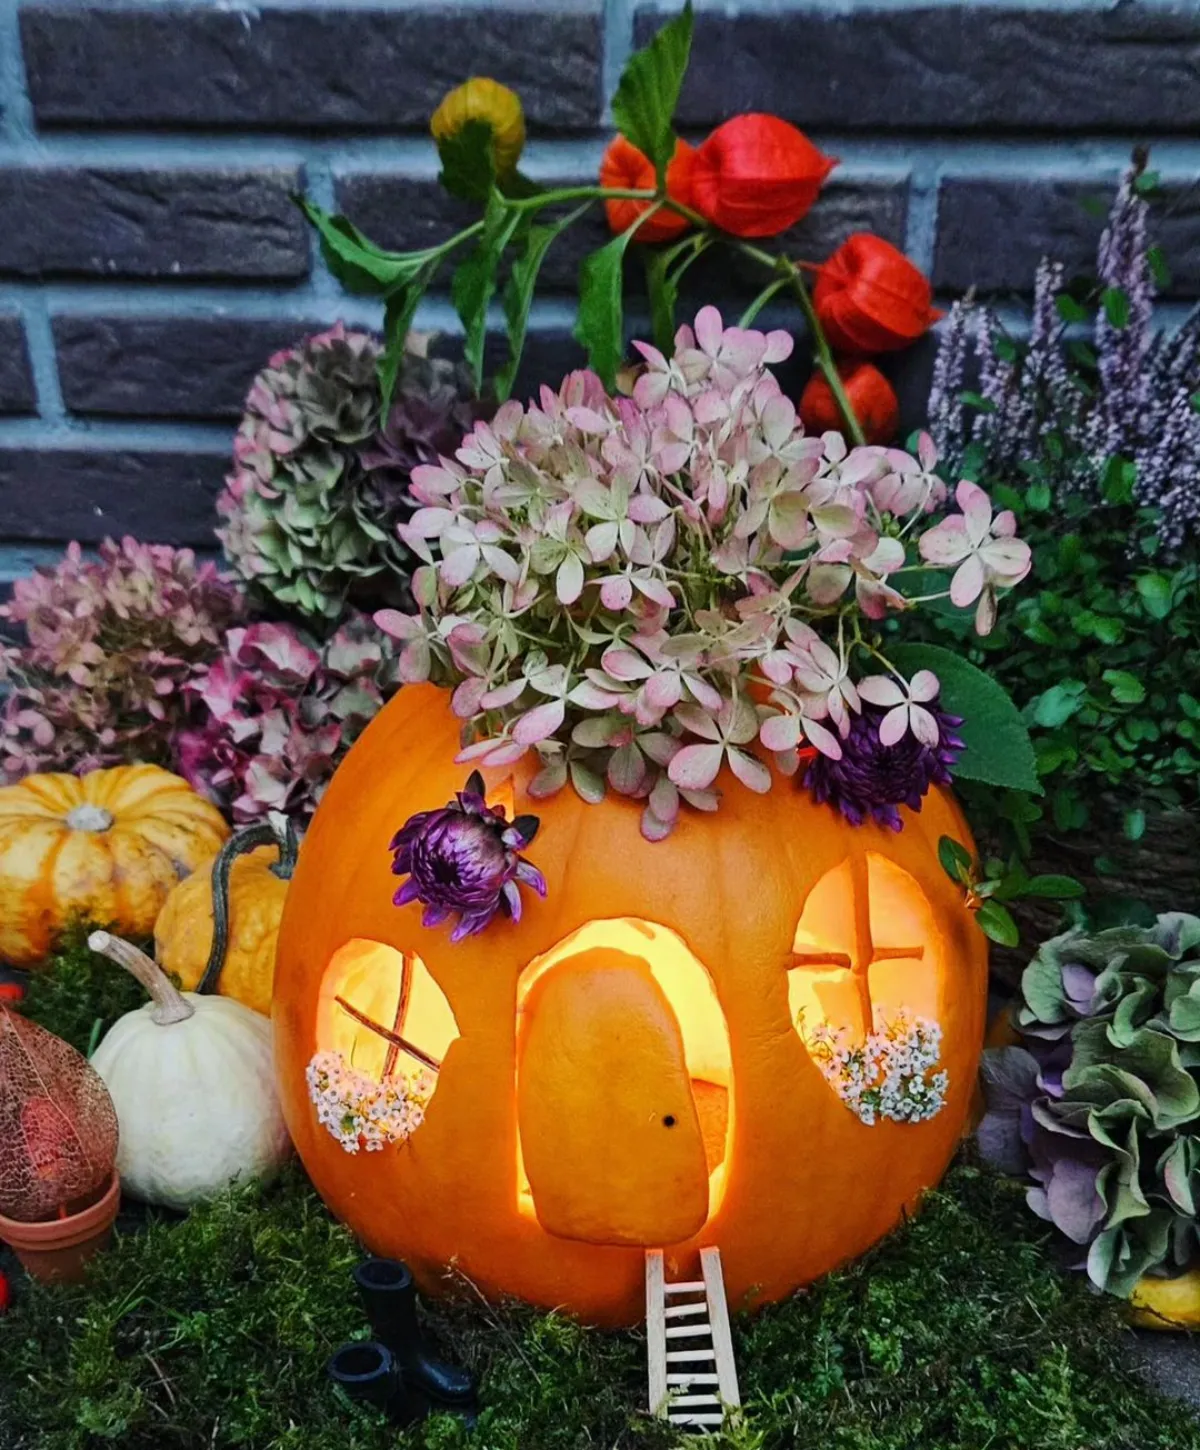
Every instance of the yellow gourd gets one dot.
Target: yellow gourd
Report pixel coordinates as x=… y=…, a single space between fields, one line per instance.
x=108 y=845
x=243 y=892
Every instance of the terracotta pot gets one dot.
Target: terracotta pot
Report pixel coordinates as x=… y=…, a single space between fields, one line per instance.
x=58 y=1248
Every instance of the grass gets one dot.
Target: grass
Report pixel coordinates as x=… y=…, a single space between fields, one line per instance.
x=956 y=1333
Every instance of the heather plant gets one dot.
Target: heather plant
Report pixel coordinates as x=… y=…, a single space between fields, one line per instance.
x=278 y=711
x=104 y=654
x=1099 y=1105
x=1095 y=447
x=635 y=589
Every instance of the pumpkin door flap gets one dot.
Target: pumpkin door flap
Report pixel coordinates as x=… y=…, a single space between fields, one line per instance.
x=610 y=1136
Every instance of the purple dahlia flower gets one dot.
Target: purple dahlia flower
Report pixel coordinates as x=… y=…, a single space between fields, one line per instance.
x=465 y=858
x=873 y=779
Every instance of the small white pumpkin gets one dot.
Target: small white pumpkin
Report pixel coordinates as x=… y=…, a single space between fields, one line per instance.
x=193 y=1084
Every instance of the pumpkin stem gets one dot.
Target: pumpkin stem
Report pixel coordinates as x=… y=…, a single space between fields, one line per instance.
x=169 y=1004
x=261 y=834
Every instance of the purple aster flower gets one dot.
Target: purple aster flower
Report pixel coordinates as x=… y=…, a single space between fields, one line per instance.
x=465 y=858
x=873 y=779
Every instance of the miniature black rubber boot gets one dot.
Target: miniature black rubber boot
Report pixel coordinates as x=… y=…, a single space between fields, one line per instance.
x=390 y=1299
x=368 y=1372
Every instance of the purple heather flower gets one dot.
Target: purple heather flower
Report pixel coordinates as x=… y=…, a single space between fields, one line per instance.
x=465 y=858
x=873 y=779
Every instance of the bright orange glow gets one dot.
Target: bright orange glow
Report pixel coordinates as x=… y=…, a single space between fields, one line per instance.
x=368 y=977
x=692 y=998
x=866 y=948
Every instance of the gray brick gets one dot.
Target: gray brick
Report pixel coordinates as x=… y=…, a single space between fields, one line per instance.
x=17 y=392
x=50 y=495
x=361 y=66
x=166 y=367
x=129 y=222
x=404 y=214
x=1128 y=67
x=993 y=232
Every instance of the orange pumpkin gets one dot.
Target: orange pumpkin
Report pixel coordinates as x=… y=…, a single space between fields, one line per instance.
x=638 y=1062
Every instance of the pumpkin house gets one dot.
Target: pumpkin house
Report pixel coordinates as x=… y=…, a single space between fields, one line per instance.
x=760 y=1034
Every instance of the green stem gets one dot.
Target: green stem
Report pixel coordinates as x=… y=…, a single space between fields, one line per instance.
x=795 y=279
x=762 y=299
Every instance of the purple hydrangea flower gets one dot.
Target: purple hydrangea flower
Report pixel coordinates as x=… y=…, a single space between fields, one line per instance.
x=873 y=779
x=465 y=858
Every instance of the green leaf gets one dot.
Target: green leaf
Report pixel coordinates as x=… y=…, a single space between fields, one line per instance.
x=1155 y=592
x=358 y=264
x=398 y=317
x=1158 y=268
x=1126 y=689
x=998 y=749
x=1135 y=824
x=1054 y=888
x=1115 y=301
x=663 y=290
x=977 y=401
x=601 y=323
x=1056 y=706
x=469 y=162
x=1070 y=310
x=518 y=294
x=955 y=859
x=1146 y=183
x=996 y=922
x=474 y=280
x=644 y=106
x=1118 y=480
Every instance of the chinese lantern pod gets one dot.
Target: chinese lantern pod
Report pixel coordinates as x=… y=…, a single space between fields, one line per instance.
x=757 y=175
x=625 y=168
x=871 y=396
x=870 y=298
x=58 y=1128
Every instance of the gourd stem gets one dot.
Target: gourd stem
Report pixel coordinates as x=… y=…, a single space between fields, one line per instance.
x=169 y=1005
x=261 y=834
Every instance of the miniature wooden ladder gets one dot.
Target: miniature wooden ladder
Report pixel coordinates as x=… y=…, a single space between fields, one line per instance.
x=675 y=1316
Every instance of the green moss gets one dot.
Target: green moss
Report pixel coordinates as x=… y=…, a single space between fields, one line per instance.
x=77 y=988
x=213 y=1331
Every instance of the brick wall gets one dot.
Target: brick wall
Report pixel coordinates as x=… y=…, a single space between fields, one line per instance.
x=150 y=256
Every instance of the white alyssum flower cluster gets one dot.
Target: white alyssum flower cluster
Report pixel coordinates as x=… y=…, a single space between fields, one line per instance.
x=889 y=1074
x=362 y=1113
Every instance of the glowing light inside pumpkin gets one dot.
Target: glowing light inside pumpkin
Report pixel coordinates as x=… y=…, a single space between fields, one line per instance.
x=866 y=949
x=864 y=992
x=629 y=945
x=371 y=995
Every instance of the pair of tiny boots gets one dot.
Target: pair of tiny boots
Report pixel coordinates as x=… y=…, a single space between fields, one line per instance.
x=396 y=1371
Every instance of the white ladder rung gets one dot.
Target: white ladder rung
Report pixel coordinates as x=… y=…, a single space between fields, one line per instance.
x=679 y=1377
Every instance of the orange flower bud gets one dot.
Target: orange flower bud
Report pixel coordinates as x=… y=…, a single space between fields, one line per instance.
x=870 y=298
x=482 y=99
x=871 y=396
x=625 y=168
x=756 y=176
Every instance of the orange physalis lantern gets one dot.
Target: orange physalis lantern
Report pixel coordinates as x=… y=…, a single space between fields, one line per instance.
x=625 y=168
x=870 y=395
x=870 y=298
x=757 y=175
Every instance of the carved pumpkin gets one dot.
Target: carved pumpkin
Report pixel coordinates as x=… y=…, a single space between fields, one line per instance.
x=244 y=890
x=108 y=845
x=643 y=1060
